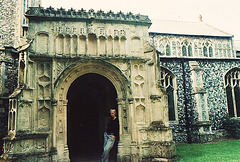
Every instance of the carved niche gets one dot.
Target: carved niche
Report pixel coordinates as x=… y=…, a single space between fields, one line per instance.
x=24 y=111
x=44 y=95
x=140 y=111
x=138 y=80
x=43 y=118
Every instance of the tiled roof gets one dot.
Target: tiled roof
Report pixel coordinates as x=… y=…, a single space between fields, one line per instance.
x=186 y=28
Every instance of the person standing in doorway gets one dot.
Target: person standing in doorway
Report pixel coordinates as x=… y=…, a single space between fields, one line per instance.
x=110 y=136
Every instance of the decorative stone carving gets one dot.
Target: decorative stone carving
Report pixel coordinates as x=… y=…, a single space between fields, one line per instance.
x=155 y=98
x=82 y=43
x=24 y=118
x=83 y=14
x=43 y=118
x=24 y=146
x=40 y=144
x=60 y=127
x=138 y=80
x=140 y=114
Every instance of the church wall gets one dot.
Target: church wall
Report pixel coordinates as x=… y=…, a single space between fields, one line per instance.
x=60 y=50
x=8 y=23
x=213 y=74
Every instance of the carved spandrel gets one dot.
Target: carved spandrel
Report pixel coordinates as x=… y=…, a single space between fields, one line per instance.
x=61 y=66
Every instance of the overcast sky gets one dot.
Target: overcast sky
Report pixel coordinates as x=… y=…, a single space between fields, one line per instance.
x=222 y=14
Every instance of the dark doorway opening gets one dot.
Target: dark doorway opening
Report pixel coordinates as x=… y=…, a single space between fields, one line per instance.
x=90 y=97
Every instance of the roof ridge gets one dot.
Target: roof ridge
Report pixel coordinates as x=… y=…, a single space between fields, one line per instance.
x=177 y=21
x=186 y=28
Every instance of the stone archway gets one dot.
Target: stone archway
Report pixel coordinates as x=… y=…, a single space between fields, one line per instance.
x=90 y=98
x=103 y=68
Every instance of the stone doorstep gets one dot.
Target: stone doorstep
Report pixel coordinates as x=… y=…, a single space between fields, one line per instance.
x=160 y=159
x=174 y=159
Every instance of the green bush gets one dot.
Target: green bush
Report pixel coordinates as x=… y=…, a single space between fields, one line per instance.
x=232 y=126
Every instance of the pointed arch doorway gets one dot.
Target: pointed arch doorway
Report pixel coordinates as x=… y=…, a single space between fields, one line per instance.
x=90 y=97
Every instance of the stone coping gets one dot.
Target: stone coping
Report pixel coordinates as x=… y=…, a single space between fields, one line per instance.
x=86 y=15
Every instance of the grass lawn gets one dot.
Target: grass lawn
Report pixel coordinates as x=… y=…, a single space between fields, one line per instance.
x=223 y=151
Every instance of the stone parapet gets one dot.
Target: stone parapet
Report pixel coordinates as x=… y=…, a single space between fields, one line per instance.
x=83 y=14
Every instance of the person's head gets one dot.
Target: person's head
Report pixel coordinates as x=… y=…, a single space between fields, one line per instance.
x=113 y=113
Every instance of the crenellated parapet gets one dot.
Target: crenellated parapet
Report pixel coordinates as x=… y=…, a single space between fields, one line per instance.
x=83 y=14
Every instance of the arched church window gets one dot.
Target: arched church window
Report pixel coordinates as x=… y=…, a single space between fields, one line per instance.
x=232 y=85
x=207 y=49
x=223 y=49
x=164 y=47
x=187 y=48
x=168 y=83
x=12 y=115
x=25 y=8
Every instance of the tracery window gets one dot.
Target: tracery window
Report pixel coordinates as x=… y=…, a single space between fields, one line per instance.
x=12 y=115
x=187 y=48
x=164 y=47
x=207 y=49
x=232 y=85
x=168 y=82
x=223 y=50
x=198 y=49
x=176 y=48
x=25 y=8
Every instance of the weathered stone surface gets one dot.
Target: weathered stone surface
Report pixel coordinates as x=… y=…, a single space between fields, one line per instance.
x=63 y=50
